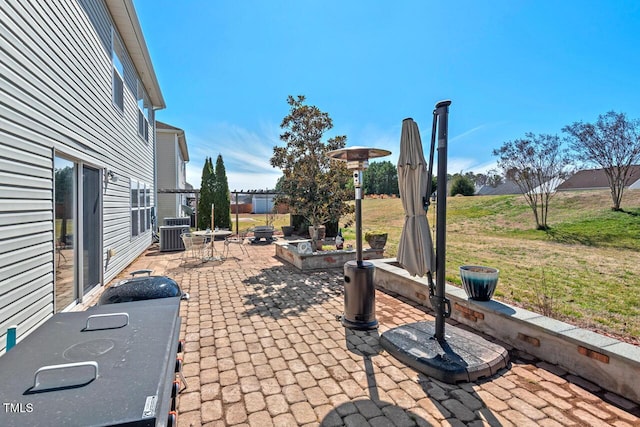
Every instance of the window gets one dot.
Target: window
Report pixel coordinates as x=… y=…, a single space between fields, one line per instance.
x=140 y=208
x=135 y=209
x=118 y=73
x=143 y=126
x=143 y=113
x=147 y=204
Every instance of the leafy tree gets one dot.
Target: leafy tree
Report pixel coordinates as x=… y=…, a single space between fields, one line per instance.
x=462 y=184
x=381 y=178
x=613 y=143
x=535 y=163
x=278 y=188
x=313 y=185
x=206 y=195
x=64 y=203
x=494 y=178
x=221 y=196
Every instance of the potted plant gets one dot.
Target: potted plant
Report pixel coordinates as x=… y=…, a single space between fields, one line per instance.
x=287 y=230
x=376 y=239
x=317 y=216
x=479 y=282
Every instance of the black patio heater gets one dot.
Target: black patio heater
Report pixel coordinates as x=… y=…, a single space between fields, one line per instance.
x=359 y=290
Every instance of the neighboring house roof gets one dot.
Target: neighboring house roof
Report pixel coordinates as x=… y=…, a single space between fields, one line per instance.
x=591 y=179
x=125 y=19
x=182 y=139
x=507 y=187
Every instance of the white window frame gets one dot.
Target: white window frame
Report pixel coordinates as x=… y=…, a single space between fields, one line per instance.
x=140 y=203
x=143 y=113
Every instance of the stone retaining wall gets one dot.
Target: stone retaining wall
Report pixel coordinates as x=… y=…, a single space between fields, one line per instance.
x=286 y=251
x=610 y=363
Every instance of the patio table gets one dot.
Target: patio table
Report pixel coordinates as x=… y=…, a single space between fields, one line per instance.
x=213 y=234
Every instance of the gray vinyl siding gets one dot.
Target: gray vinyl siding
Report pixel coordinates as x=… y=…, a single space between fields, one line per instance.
x=56 y=97
x=96 y=10
x=26 y=230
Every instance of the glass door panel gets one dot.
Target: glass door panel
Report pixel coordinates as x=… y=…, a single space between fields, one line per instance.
x=91 y=229
x=65 y=233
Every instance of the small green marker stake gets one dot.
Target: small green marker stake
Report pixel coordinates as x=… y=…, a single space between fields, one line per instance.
x=11 y=337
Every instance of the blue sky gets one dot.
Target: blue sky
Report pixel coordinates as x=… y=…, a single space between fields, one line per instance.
x=226 y=68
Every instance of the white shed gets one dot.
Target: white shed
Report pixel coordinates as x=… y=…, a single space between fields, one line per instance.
x=262 y=203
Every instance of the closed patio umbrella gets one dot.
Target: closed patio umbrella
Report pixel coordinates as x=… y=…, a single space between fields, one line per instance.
x=458 y=356
x=415 y=250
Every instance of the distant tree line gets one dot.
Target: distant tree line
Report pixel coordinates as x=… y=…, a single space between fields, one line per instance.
x=381 y=178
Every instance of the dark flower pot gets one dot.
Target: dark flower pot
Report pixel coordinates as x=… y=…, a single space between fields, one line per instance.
x=479 y=282
x=287 y=230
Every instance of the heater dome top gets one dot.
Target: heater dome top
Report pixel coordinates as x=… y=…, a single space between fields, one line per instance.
x=355 y=154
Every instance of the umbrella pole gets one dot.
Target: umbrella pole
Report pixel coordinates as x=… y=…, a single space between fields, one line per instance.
x=426 y=202
x=442 y=304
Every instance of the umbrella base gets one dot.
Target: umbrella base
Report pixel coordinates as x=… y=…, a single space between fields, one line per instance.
x=462 y=357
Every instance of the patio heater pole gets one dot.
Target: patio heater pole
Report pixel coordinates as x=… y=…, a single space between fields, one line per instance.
x=359 y=289
x=443 y=306
x=357 y=183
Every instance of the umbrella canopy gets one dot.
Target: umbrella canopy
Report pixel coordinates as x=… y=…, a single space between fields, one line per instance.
x=415 y=250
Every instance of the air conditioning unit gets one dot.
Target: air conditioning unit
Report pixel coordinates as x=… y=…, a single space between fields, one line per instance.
x=183 y=220
x=170 y=239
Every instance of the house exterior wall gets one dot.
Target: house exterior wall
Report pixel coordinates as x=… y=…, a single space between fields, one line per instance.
x=56 y=99
x=168 y=175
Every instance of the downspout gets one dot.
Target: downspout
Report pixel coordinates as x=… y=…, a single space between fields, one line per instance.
x=155 y=172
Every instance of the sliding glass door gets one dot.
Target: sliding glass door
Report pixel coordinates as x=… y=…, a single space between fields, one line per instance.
x=78 y=231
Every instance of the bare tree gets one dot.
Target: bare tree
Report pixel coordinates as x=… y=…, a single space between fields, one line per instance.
x=613 y=143
x=535 y=163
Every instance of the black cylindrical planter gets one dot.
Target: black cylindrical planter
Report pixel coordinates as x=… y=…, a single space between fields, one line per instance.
x=359 y=296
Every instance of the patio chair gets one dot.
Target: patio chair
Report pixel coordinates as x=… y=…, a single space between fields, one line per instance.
x=238 y=239
x=194 y=246
x=60 y=247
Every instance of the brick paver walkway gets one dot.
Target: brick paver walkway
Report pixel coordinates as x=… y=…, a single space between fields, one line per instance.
x=264 y=348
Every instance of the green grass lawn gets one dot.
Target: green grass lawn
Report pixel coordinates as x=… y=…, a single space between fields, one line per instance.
x=584 y=270
x=247 y=221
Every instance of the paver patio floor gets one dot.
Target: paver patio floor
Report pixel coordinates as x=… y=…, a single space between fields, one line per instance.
x=264 y=347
